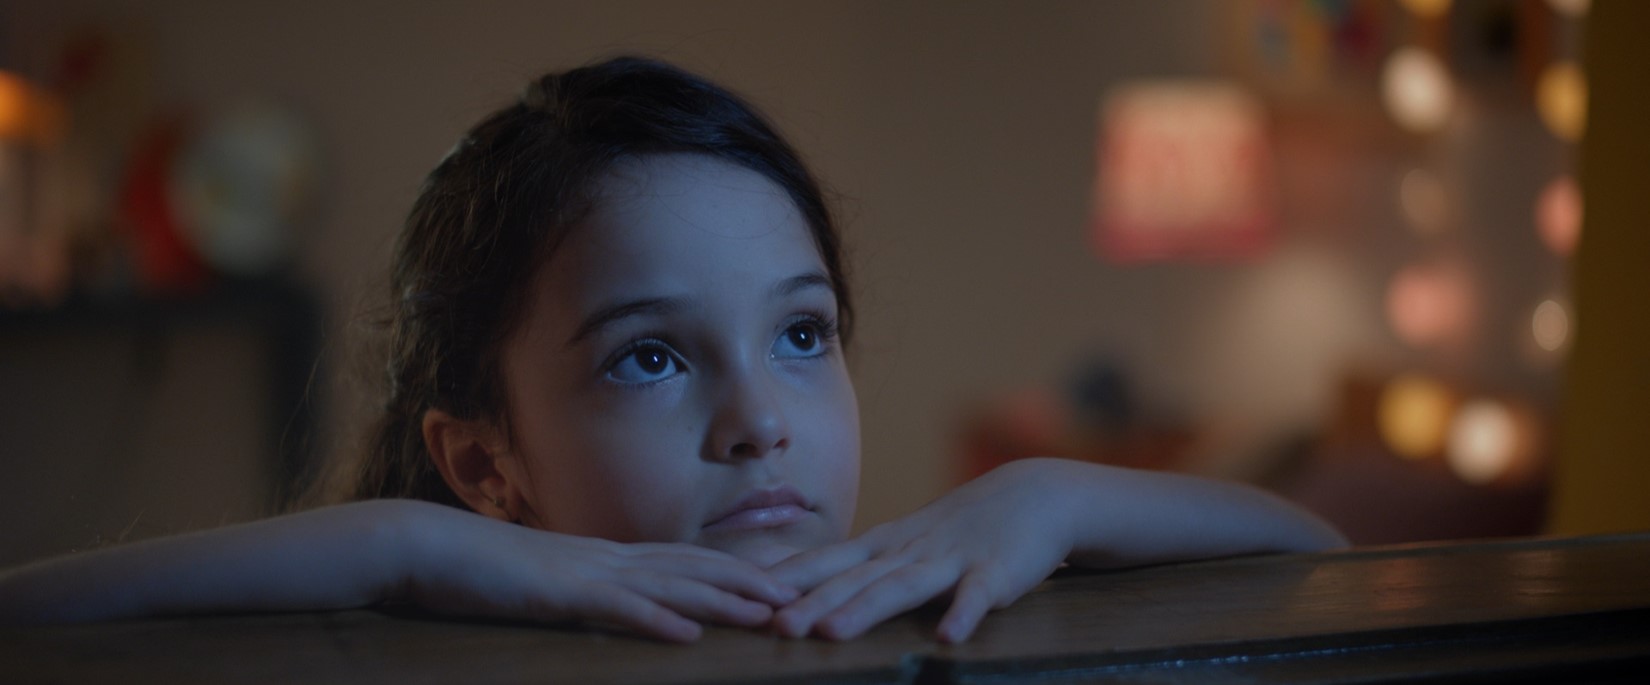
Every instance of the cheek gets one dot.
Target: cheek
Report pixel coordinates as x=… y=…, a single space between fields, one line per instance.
x=603 y=471
x=831 y=424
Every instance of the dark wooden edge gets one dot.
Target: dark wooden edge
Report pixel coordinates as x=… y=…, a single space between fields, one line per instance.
x=1599 y=647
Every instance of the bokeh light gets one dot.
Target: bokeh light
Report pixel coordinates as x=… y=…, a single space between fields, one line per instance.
x=1551 y=325
x=1561 y=98
x=1570 y=8
x=1428 y=304
x=1414 y=415
x=1483 y=442
x=14 y=107
x=1417 y=90
x=1558 y=215
x=1425 y=202
x=1427 y=8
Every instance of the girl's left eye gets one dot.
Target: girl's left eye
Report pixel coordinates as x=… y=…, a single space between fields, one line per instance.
x=801 y=340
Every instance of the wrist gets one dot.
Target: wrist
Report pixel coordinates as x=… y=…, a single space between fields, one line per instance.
x=400 y=535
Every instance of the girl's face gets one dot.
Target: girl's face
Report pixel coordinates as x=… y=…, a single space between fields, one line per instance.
x=677 y=376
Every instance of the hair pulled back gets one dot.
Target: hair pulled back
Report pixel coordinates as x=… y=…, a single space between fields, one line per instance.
x=498 y=205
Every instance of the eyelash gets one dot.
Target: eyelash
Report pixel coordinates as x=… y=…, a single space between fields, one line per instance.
x=632 y=347
x=826 y=326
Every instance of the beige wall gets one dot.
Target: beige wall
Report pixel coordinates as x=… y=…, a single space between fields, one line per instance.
x=960 y=136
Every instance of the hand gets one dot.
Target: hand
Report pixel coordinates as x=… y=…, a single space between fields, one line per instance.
x=475 y=566
x=986 y=544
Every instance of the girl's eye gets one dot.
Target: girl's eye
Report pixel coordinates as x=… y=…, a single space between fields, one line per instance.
x=644 y=364
x=800 y=341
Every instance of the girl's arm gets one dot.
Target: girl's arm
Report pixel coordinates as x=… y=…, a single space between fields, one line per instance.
x=356 y=555
x=992 y=540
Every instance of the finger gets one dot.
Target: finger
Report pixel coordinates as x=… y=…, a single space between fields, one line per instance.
x=893 y=594
x=697 y=600
x=621 y=608
x=808 y=570
x=968 y=605
x=733 y=575
x=798 y=619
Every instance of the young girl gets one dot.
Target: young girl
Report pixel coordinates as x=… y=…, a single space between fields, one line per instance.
x=618 y=395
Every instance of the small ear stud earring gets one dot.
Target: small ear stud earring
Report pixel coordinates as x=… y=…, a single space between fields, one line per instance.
x=498 y=501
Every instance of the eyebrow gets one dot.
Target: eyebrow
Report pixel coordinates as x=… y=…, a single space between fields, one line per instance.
x=665 y=306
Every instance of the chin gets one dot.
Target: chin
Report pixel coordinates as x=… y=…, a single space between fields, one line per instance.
x=765 y=554
x=761 y=550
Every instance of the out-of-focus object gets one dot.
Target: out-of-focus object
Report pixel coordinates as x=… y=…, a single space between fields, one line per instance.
x=28 y=114
x=1489 y=441
x=1430 y=304
x=165 y=261
x=1558 y=215
x=1561 y=98
x=1551 y=325
x=1571 y=8
x=1602 y=473
x=34 y=253
x=1414 y=415
x=1424 y=200
x=1184 y=172
x=1427 y=8
x=1418 y=92
x=240 y=183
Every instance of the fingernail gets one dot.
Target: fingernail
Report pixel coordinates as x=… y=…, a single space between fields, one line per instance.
x=786 y=594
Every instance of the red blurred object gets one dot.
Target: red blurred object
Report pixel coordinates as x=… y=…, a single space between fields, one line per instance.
x=165 y=261
x=1184 y=173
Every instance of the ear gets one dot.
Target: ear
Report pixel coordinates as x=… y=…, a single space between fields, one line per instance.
x=469 y=454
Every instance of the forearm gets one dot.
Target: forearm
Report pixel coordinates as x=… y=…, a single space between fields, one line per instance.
x=345 y=556
x=1128 y=517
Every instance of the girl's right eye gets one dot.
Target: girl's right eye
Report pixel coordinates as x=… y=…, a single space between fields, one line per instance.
x=646 y=363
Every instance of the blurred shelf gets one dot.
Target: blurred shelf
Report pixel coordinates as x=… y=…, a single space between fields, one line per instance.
x=284 y=316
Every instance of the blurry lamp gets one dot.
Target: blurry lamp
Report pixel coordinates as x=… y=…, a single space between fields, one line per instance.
x=1558 y=215
x=1483 y=442
x=1561 y=98
x=1570 y=8
x=1184 y=172
x=28 y=114
x=1414 y=415
x=1427 y=8
x=1551 y=325
x=1424 y=201
x=1417 y=90
x=14 y=107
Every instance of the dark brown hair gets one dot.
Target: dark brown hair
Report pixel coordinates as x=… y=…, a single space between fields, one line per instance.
x=498 y=205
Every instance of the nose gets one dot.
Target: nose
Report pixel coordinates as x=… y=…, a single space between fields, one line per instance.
x=749 y=422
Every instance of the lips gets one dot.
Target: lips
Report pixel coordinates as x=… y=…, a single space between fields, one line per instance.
x=768 y=508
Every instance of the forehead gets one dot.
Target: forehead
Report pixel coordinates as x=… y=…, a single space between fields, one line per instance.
x=680 y=224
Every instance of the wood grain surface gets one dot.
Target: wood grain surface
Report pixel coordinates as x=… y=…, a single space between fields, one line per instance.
x=1560 y=610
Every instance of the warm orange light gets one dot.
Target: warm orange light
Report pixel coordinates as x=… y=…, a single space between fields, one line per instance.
x=14 y=107
x=1484 y=442
x=1414 y=415
x=1561 y=98
x=1424 y=200
x=1570 y=8
x=27 y=113
x=1551 y=325
x=1427 y=8
x=1558 y=215
x=1417 y=90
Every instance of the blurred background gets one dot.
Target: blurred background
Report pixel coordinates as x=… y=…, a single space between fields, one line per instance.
x=1382 y=257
